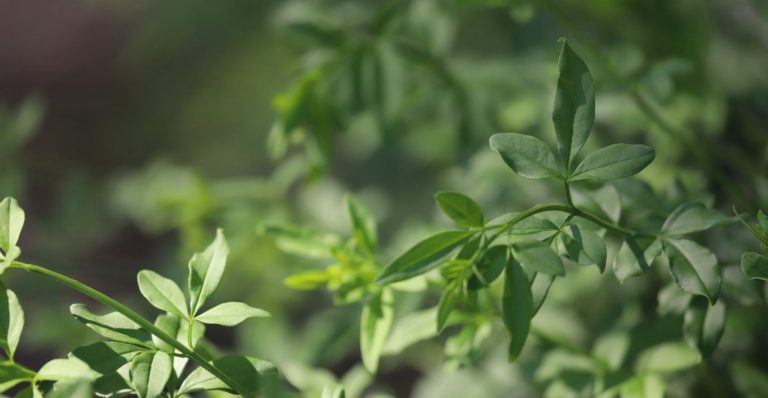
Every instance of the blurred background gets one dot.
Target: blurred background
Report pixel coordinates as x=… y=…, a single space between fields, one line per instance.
x=130 y=130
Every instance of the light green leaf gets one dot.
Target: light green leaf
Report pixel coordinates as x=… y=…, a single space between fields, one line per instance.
x=113 y=325
x=613 y=162
x=422 y=257
x=11 y=321
x=540 y=285
x=703 y=325
x=162 y=293
x=643 y=386
x=611 y=349
x=537 y=256
x=584 y=246
x=11 y=223
x=205 y=270
x=307 y=280
x=516 y=307
x=635 y=257
x=667 y=358
x=231 y=314
x=150 y=372
x=252 y=374
x=66 y=369
x=461 y=209
x=410 y=329
x=754 y=265
x=489 y=267
x=574 y=110
x=528 y=156
x=363 y=225
x=71 y=389
x=694 y=268
x=333 y=392
x=692 y=217
x=375 y=323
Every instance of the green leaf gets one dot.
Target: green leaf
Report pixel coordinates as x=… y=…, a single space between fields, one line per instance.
x=703 y=325
x=71 y=389
x=252 y=374
x=490 y=266
x=692 y=217
x=333 y=392
x=694 y=268
x=667 y=358
x=422 y=257
x=613 y=162
x=375 y=323
x=66 y=369
x=231 y=314
x=537 y=256
x=643 y=386
x=11 y=223
x=574 y=109
x=106 y=357
x=162 y=293
x=11 y=321
x=540 y=288
x=528 y=156
x=611 y=349
x=173 y=326
x=12 y=374
x=410 y=329
x=516 y=307
x=301 y=241
x=307 y=280
x=113 y=325
x=754 y=265
x=461 y=209
x=363 y=225
x=527 y=226
x=448 y=300
x=673 y=300
x=635 y=257
x=584 y=246
x=205 y=270
x=150 y=372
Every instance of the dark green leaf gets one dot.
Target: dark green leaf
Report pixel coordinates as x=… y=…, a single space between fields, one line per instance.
x=694 y=268
x=584 y=246
x=540 y=288
x=673 y=300
x=252 y=374
x=230 y=314
x=461 y=209
x=692 y=217
x=113 y=325
x=574 y=110
x=755 y=265
x=363 y=225
x=739 y=287
x=106 y=357
x=635 y=258
x=489 y=267
x=613 y=162
x=375 y=323
x=537 y=256
x=528 y=156
x=703 y=325
x=447 y=301
x=12 y=374
x=516 y=307
x=422 y=257
x=205 y=270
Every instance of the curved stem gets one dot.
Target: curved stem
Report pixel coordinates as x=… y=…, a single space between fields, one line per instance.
x=132 y=315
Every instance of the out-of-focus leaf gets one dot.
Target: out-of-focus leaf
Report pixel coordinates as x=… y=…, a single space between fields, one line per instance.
x=703 y=325
x=489 y=267
x=447 y=302
x=301 y=241
x=755 y=265
x=375 y=324
x=363 y=225
x=635 y=258
x=410 y=329
x=673 y=300
x=667 y=358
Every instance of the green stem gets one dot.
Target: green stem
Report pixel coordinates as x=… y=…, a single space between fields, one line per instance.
x=132 y=315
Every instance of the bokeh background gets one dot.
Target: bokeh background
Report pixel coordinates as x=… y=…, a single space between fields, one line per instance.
x=130 y=130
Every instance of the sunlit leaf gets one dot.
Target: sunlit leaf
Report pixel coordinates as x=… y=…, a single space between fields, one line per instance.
x=363 y=225
x=422 y=257
x=162 y=292
x=205 y=270
x=230 y=314
x=375 y=323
